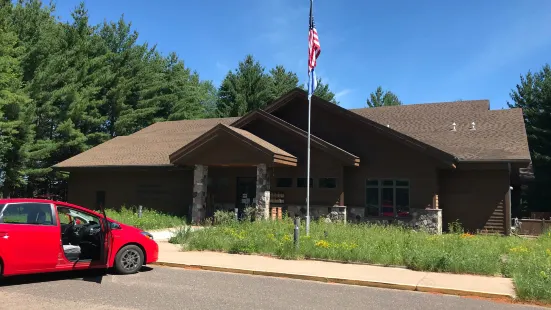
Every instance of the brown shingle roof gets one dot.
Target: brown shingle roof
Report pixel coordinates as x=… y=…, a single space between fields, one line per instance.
x=150 y=146
x=499 y=134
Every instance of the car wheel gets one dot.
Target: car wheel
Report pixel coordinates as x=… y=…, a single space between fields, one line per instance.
x=129 y=259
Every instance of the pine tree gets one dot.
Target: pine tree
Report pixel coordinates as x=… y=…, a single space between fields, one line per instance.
x=67 y=92
x=15 y=108
x=246 y=89
x=283 y=81
x=381 y=98
x=533 y=95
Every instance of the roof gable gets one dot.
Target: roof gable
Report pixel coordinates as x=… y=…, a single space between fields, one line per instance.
x=246 y=139
x=443 y=156
x=321 y=144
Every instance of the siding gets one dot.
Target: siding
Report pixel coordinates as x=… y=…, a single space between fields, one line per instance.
x=162 y=189
x=474 y=197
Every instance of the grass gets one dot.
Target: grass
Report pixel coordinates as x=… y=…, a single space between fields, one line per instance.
x=527 y=261
x=150 y=219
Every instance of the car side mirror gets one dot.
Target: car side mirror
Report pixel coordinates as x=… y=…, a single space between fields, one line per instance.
x=114 y=225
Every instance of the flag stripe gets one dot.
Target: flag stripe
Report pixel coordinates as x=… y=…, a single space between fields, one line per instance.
x=314 y=50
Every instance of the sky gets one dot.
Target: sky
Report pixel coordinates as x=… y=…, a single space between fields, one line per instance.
x=424 y=50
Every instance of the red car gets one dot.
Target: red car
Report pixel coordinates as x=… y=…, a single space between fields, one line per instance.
x=39 y=236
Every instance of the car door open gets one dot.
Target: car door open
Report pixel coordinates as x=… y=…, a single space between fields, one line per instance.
x=107 y=238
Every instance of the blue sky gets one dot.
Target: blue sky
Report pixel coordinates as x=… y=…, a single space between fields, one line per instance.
x=424 y=51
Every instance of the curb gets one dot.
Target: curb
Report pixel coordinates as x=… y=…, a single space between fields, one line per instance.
x=403 y=287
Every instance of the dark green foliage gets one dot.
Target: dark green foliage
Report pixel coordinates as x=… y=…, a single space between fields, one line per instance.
x=15 y=108
x=381 y=98
x=244 y=90
x=282 y=81
x=533 y=95
x=67 y=87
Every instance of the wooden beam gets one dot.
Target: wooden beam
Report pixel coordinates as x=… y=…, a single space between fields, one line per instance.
x=285 y=158
x=284 y=162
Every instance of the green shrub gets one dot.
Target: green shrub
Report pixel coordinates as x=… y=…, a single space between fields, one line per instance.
x=224 y=217
x=151 y=219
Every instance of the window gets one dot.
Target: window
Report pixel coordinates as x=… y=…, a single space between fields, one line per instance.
x=28 y=213
x=301 y=182
x=327 y=183
x=284 y=182
x=66 y=215
x=387 y=198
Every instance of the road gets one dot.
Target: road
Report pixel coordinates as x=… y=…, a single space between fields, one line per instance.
x=171 y=288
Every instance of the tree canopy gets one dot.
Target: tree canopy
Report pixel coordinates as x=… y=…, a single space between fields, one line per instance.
x=381 y=98
x=533 y=95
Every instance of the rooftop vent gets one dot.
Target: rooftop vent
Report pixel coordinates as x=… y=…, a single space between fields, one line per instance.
x=472 y=126
x=454 y=126
x=388 y=125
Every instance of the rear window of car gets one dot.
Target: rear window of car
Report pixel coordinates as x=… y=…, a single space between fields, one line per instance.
x=27 y=213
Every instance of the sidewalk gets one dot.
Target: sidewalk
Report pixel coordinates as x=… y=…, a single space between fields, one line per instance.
x=364 y=275
x=165 y=234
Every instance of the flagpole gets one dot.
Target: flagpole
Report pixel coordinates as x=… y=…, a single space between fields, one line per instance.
x=308 y=171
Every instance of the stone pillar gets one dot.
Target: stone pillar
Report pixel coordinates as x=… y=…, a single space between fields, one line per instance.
x=429 y=220
x=262 y=192
x=199 y=194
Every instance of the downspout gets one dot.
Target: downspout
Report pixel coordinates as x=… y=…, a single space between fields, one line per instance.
x=508 y=204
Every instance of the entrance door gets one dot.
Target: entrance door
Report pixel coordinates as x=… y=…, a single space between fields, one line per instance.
x=246 y=192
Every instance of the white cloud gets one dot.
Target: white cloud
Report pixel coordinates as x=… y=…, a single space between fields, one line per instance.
x=339 y=95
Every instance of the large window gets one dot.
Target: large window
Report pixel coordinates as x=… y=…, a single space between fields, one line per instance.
x=387 y=198
x=28 y=213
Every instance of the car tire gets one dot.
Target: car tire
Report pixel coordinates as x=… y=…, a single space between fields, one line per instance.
x=129 y=259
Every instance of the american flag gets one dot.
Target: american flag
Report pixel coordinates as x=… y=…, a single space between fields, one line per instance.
x=314 y=51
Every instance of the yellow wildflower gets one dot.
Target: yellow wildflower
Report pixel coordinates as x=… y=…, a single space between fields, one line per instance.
x=322 y=244
x=519 y=249
x=548 y=251
x=286 y=238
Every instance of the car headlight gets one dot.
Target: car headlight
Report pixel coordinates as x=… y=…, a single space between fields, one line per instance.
x=147 y=235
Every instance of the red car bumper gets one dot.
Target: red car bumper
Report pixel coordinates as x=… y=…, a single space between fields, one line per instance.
x=152 y=252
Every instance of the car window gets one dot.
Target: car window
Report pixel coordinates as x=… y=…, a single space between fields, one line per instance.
x=27 y=213
x=67 y=214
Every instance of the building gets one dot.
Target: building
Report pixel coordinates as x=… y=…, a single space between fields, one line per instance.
x=377 y=163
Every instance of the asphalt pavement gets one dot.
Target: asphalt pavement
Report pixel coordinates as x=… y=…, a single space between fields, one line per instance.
x=172 y=288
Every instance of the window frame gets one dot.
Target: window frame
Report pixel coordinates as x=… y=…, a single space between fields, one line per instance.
x=53 y=213
x=380 y=186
